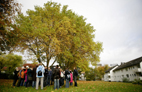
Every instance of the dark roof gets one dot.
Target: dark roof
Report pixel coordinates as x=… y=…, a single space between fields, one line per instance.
x=110 y=69
x=129 y=63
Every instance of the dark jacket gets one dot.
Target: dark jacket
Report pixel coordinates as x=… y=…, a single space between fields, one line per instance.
x=15 y=74
x=34 y=74
x=56 y=73
x=49 y=72
x=66 y=73
x=75 y=73
x=29 y=72
x=45 y=73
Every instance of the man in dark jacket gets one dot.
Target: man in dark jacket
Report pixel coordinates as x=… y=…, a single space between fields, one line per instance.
x=29 y=77
x=75 y=74
x=45 y=77
x=56 y=75
x=49 y=76
x=34 y=76
x=15 y=76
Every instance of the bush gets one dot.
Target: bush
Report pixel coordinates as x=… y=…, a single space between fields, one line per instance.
x=137 y=81
x=125 y=80
x=6 y=76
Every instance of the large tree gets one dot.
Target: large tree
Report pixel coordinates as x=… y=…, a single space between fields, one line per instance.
x=52 y=32
x=8 y=39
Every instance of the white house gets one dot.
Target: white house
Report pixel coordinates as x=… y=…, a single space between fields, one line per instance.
x=131 y=70
x=109 y=74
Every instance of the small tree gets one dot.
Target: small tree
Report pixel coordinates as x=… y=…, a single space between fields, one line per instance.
x=11 y=62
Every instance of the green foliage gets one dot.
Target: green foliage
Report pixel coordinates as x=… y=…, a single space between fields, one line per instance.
x=11 y=62
x=53 y=31
x=125 y=80
x=8 y=38
x=90 y=75
x=137 y=81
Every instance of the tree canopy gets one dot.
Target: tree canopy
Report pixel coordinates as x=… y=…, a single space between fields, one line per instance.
x=8 y=9
x=54 y=32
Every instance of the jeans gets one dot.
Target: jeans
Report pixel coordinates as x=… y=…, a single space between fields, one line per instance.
x=71 y=83
x=48 y=80
x=33 y=84
x=56 y=83
x=67 y=83
x=22 y=81
x=45 y=81
x=14 y=81
x=75 y=82
x=61 y=81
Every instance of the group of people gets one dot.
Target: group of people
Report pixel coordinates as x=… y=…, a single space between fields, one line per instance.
x=40 y=75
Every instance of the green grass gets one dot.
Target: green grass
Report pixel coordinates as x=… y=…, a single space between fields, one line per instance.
x=83 y=86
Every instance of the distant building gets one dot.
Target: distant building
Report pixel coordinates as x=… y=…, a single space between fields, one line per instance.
x=82 y=76
x=108 y=76
x=131 y=70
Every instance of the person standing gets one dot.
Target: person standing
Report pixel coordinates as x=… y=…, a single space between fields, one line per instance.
x=61 y=78
x=71 y=78
x=56 y=74
x=75 y=74
x=26 y=77
x=45 y=76
x=34 y=76
x=49 y=76
x=29 y=77
x=39 y=75
x=15 y=78
x=67 y=77
x=22 y=77
x=19 y=76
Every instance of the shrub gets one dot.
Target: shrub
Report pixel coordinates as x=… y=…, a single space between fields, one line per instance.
x=137 y=81
x=125 y=80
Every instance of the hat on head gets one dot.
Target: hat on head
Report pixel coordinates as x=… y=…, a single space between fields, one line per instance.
x=22 y=67
x=27 y=66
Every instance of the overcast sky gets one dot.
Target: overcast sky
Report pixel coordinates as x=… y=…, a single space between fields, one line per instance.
x=118 y=25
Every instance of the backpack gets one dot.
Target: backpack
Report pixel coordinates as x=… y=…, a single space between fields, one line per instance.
x=40 y=68
x=39 y=73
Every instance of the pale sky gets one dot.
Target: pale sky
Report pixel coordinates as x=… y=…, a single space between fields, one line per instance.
x=118 y=25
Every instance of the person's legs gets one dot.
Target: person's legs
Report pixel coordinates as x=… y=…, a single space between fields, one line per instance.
x=41 y=79
x=37 y=82
x=58 y=84
x=75 y=83
x=22 y=80
x=19 y=81
x=14 y=82
x=67 y=83
x=55 y=83
x=33 y=83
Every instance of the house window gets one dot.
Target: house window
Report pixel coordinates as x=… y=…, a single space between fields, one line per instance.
x=127 y=75
x=134 y=74
x=138 y=65
x=122 y=76
x=126 y=69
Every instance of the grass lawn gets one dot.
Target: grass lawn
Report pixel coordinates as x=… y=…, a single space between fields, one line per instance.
x=83 y=86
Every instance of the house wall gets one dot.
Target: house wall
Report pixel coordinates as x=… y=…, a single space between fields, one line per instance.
x=133 y=72
x=108 y=76
x=129 y=73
